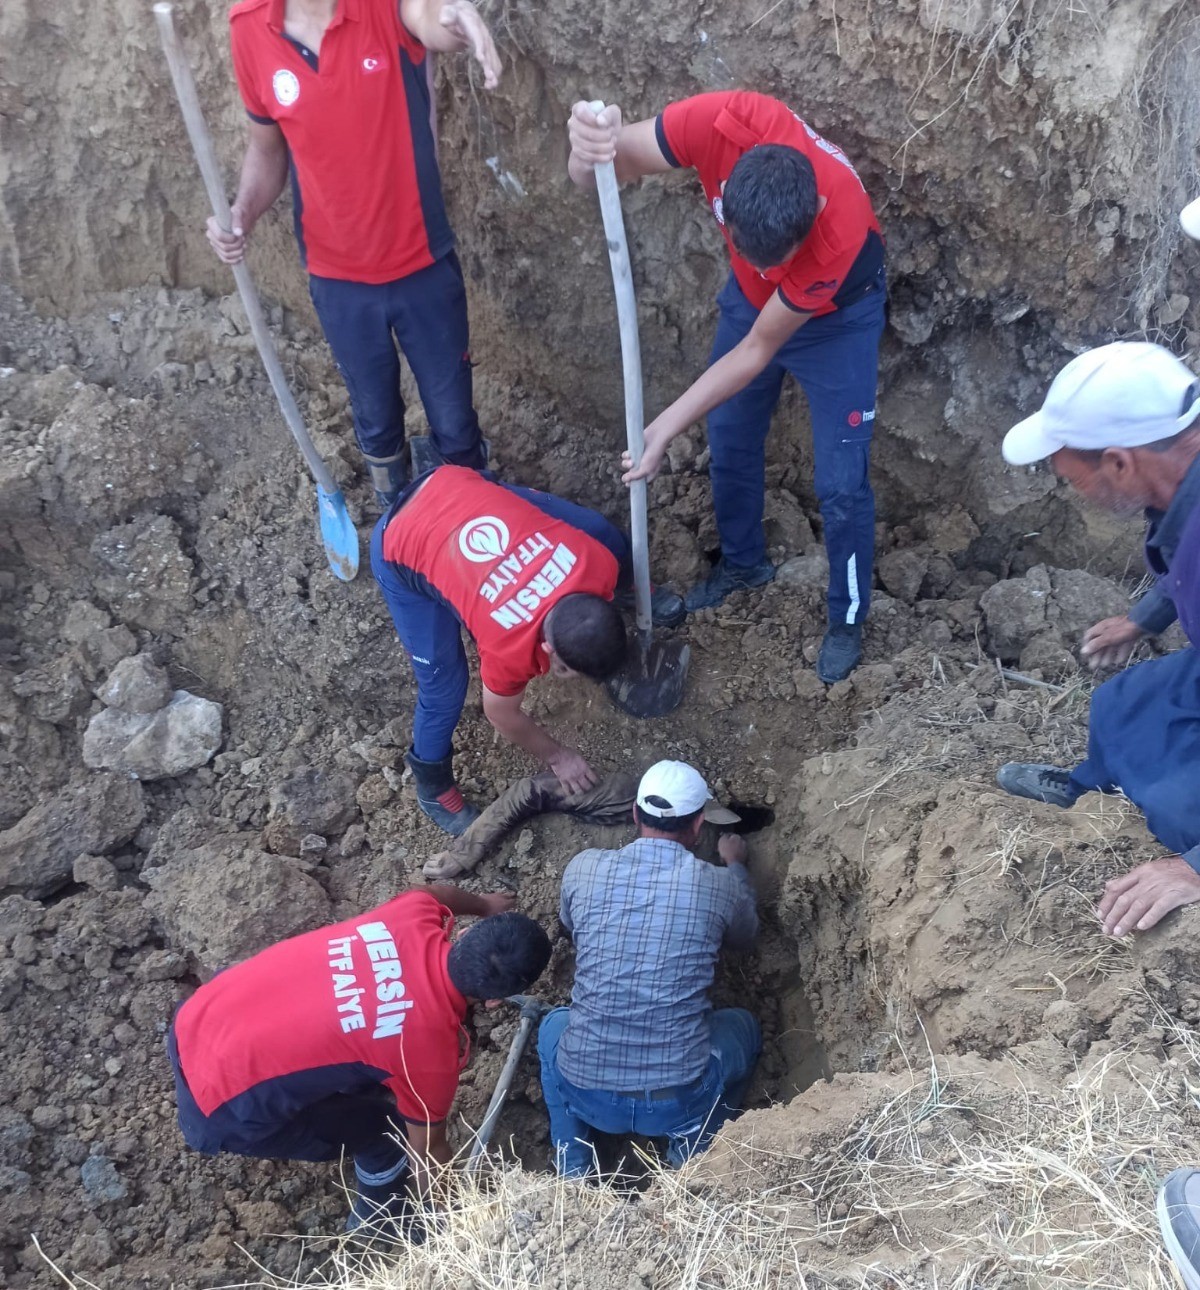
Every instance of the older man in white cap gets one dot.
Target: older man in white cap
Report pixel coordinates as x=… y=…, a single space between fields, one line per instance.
x=1121 y=424
x=641 y=1050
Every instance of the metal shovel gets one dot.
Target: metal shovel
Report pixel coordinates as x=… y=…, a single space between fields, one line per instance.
x=652 y=682
x=337 y=532
x=532 y=1011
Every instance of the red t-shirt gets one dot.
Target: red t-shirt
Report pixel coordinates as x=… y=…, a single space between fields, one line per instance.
x=364 y=1001
x=844 y=250
x=367 y=194
x=500 y=564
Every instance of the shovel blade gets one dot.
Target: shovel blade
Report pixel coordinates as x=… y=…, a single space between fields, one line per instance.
x=338 y=534
x=652 y=683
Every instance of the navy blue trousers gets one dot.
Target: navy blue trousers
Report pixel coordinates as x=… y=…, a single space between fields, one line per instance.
x=364 y=1125
x=1144 y=738
x=836 y=360
x=426 y=315
x=431 y=632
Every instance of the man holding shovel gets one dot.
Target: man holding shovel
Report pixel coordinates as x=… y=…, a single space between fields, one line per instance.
x=339 y=101
x=805 y=296
x=350 y=1039
x=532 y=578
x=1121 y=425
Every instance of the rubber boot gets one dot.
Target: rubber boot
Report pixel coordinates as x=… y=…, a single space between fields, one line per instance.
x=388 y=476
x=438 y=795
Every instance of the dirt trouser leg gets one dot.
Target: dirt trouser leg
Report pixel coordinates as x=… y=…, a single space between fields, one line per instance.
x=737 y=436
x=1144 y=737
x=835 y=358
x=432 y=638
x=426 y=313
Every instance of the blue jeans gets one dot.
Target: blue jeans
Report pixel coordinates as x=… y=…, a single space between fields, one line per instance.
x=836 y=360
x=431 y=632
x=1144 y=737
x=688 y=1119
x=426 y=314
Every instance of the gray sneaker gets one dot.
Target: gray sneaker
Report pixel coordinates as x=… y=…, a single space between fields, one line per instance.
x=1038 y=782
x=1178 y=1214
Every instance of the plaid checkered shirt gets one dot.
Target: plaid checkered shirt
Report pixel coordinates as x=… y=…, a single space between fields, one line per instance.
x=648 y=922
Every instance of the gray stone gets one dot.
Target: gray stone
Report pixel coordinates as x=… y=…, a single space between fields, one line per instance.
x=1049 y=656
x=1081 y=599
x=101 y=1180
x=38 y=854
x=95 y=872
x=222 y=902
x=804 y=571
x=136 y=684
x=148 y=578
x=309 y=800
x=175 y=739
x=1015 y=611
x=902 y=573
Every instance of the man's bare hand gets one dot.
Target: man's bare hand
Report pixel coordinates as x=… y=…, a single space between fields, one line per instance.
x=1138 y=899
x=498 y=902
x=230 y=247
x=593 y=136
x=573 y=772
x=1110 y=642
x=462 y=20
x=732 y=848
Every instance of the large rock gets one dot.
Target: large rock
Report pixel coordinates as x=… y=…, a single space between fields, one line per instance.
x=175 y=739
x=148 y=578
x=902 y=572
x=97 y=817
x=1081 y=599
x=222 y=902
x=308 y=801
x=136 y=684
x=1015 y=611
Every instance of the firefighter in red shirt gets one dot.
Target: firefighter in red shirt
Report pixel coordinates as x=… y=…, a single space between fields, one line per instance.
x=533 y=580
x=338 y=98
x=805 y=297
x=350 y=1039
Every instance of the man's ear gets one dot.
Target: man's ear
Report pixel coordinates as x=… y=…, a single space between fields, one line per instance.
x=544 y=645
x=492 y=1003
x=1118 y=463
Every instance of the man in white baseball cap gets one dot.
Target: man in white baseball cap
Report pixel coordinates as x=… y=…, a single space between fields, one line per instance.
x=641 y=1050
x=1121 y=424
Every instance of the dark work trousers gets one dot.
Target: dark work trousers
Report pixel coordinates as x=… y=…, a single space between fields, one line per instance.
x=426 y=315
x=431 y=632
x=365 y=1125
x=836 y=360
x=1144 y=738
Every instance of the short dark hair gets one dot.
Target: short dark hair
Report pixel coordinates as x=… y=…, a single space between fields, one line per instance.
x=501 y=955
x=675 y=825
x=588 y=634
x=769 y=203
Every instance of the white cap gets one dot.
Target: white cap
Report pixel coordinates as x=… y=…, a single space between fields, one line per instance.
x=1189 y=219
x=671 y=789
x=1122 y=395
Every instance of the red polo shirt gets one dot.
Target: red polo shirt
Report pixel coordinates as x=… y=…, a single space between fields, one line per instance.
x=500 y=564
x=363 y=1002
x=366 y=190
x=843 y=252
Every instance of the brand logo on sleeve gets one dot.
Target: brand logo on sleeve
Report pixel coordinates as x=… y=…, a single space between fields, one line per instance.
x=286 y=86
x=483 y=539
x=856 y=418
x=375 y=63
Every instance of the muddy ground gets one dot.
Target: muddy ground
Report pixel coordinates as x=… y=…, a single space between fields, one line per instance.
x=1026 y=162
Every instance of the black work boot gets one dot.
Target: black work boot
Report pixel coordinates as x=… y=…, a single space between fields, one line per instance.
x=666 y=606
x=389 y=475
x=1038 y=782
x=840 y=651
x=725 y=578
x=438 y=795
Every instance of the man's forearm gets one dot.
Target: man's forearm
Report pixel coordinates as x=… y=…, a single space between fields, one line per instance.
x=264 y=173
x=725 y=378
x=522 y=730
x=461 y=903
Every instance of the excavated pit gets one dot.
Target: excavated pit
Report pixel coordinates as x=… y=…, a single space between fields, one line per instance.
x=1027 y=164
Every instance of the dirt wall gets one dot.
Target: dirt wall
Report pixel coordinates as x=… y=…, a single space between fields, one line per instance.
x=1026 y=161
